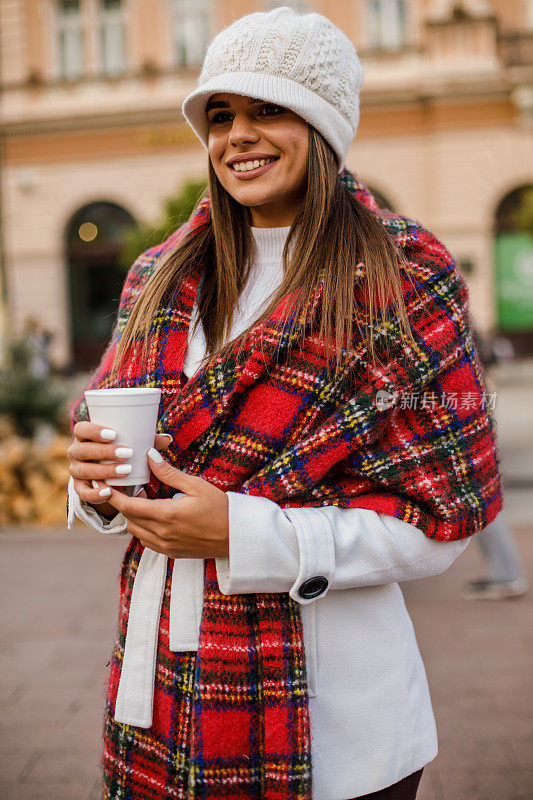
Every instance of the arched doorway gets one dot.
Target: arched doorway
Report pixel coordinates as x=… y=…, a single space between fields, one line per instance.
x=513 y=260
x=94 y=241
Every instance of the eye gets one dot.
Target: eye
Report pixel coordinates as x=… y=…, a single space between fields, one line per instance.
x=271 y=109
x=271 y=106
x=216 y=117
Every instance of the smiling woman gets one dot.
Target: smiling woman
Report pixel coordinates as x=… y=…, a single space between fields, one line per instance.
x=264 y=649
x=245 y=136
x=330 y=229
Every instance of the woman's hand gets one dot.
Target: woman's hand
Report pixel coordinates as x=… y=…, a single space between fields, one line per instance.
x=192 y=526
x=88 y=449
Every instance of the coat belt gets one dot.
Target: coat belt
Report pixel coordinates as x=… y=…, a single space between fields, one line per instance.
x=135 y=696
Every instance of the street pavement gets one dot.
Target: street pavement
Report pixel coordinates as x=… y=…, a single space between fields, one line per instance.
x=59 y=593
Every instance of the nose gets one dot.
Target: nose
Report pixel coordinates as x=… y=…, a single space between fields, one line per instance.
x=242 y=130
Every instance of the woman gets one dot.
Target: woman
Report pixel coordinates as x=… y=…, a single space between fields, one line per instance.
x=264 y=649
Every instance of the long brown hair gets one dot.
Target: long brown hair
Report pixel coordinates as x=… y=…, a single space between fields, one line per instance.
x=333 y=231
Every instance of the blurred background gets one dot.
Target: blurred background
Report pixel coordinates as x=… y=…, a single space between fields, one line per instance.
x=96 y=165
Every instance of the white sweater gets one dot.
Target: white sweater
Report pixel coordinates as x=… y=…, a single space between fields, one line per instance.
x=370 y=711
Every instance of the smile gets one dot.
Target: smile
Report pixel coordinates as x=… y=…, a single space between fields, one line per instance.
x=250 y=169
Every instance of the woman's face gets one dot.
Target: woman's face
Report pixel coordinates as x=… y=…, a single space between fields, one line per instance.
x=245 y=129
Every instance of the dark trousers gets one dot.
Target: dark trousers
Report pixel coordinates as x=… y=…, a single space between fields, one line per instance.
x=405 y=789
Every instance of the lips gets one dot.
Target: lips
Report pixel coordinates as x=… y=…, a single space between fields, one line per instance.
x=244 y=157
x=252 y=173
x=236 y=165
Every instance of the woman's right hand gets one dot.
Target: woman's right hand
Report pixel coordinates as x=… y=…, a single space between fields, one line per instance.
x=88 y=449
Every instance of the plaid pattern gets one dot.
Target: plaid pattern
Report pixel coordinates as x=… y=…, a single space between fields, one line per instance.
x=141 y=764
x=269 y=423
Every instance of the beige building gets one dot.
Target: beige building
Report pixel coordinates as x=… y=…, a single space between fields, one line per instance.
x=93 y=140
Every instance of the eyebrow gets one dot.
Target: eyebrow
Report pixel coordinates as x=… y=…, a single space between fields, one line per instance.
x=223 y=104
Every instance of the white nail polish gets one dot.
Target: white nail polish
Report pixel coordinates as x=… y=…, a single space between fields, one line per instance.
x=155 y=455
x=123 y=452
x=105 y=492
x=123 y=469
x=95 y=484
x=107 y=433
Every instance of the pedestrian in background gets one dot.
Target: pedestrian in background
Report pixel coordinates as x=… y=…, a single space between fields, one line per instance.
x=38 y=339
x=504 y=568
x=264 y=648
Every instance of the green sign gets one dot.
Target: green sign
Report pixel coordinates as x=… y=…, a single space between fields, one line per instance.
x=514 y=281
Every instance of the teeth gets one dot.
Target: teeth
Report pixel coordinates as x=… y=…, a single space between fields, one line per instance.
x=245 y=166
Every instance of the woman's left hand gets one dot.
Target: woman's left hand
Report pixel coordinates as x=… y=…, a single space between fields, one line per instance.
x=192 y=526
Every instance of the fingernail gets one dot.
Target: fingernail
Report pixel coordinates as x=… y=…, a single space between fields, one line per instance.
x=95 y=484
x=169 y=436
x=155 y=455
x=105 y=492
x=123 y=469
x=123 y=452
x=107 y=433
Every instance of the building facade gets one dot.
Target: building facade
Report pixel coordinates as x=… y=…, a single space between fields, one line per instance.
x=93 y=141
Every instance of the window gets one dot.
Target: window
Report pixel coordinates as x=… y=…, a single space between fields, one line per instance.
x=69 y=36
x=191 y=31
x=112 y=36
x=300 y=6
x=386 y=24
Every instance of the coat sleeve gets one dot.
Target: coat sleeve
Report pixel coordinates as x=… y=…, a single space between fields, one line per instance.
x=116 y=526
x=277 y=550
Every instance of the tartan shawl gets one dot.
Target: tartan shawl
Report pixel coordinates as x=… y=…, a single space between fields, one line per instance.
x=268 y=421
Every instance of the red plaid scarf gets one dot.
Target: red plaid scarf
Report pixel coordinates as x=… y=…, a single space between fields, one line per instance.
x=269 y=422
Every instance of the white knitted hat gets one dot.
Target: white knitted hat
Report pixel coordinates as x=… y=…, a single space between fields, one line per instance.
x=301 y=61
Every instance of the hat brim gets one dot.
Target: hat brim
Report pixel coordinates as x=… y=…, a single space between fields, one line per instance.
x=307 y=104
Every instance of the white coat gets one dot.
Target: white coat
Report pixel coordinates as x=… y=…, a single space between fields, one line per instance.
x=370 y=710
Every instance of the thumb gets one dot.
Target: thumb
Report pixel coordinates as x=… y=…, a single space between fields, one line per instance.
x=168 y=474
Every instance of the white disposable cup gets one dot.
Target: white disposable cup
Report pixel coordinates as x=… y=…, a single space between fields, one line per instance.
x=132 y=413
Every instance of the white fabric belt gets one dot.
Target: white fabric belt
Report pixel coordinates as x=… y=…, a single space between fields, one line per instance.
x=135 y=696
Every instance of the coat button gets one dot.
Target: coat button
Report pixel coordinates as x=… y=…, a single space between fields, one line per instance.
x=312 y=587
